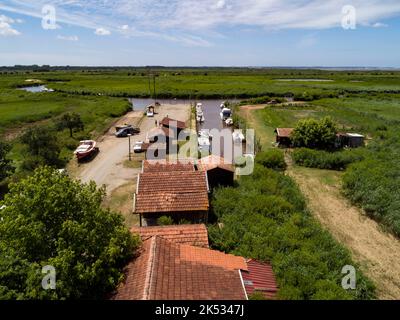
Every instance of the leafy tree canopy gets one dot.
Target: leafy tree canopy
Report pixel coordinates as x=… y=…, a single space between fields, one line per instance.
x=51 y=220
x=42 y=147
x=315 y=134
x=70 y=121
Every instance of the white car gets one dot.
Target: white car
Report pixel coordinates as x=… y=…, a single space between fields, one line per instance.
x=150 y=114
x=138 y=147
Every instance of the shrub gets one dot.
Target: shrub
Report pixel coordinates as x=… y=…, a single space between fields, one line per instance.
x=339 y=160
x=315 y=134
x=165 y=221
x=265 y=218
x=273 y=159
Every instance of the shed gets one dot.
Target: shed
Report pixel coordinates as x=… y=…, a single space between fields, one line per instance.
x=350 y=140
x=219 y=171
x=283 y=136
x=181 y=195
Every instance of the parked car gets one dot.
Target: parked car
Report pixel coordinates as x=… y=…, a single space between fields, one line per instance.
x=138 y=147
x=124 y=131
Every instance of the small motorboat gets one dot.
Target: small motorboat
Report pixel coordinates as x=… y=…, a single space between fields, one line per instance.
x=85 y=149
x=229 y=122
x=238 y=137
x=226 y=113
x=204 y=144
x=200 y=118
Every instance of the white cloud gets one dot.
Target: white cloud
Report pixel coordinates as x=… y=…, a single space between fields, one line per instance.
x=379 y=25
x=6 y=28
x=181 y=20
x=102 y=32
x=68 y=38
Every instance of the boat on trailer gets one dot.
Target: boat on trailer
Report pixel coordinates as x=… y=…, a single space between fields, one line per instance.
x=85 y=149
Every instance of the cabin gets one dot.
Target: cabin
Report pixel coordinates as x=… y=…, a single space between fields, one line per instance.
x=349 y=140
x=219 y=171
x=180 y=257
x=283 y=136
x=169 y=123
x=163 y=137
x=181 y=195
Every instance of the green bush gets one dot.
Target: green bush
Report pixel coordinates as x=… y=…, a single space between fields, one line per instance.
x=165 y=221
x=315 y=134
x=265 y=218
x=339 y=160
x=273 y=159
x=373 y=184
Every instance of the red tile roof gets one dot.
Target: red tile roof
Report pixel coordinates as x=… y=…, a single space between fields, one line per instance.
x=260 y=278
x=171 y=202
x=165 y=166
x=168 y=122
x=212 y=162
x=169 y=271
x=192 y=234
x=172 y=192
x=172 y=182
x=284 y=132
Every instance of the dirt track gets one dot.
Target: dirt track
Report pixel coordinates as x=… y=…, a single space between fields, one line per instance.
x=376 y=251
x=107 y=167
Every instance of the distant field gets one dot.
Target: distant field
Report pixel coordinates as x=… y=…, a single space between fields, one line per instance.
x=211 y=83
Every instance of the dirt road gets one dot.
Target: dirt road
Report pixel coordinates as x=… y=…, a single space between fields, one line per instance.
x=376 y=251
x=107 y=168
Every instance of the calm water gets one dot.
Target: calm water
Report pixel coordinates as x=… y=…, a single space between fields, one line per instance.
x=35 y=89
x=211 y=109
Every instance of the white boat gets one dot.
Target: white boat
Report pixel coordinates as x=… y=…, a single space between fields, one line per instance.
x=238 y=137
x=225 y=114
x=229 y=122
x=205 y=133
x=204 y=144
x=200 y=118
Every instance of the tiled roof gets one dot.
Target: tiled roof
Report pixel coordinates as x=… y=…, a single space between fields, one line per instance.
x=172 y=182
x=171 y=202
x=169 y=271
x=172 y=191
x=211 y=162
x=192 y=234
x=165 y=166
x=173 y=123
x=284 y=132
x=260 y=277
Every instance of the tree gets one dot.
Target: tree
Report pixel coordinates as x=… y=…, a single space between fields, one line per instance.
x=70 y=121
x=6 y=167
x=52 y=220
x=315 y=134
x=42 y=145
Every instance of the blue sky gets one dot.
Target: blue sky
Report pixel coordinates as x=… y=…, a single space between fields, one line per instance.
x=201 y=33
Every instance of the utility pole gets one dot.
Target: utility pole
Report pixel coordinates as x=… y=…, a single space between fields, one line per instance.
x=129 y=140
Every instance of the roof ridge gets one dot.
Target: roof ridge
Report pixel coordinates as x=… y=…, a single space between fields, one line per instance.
x=150 y=269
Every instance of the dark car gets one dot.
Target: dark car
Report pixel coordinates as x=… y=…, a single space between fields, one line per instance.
x=124 y=131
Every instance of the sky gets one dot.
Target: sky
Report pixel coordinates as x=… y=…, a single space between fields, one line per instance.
x=330 y=33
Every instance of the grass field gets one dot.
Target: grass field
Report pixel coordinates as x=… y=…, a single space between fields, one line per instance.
x=210 y=83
